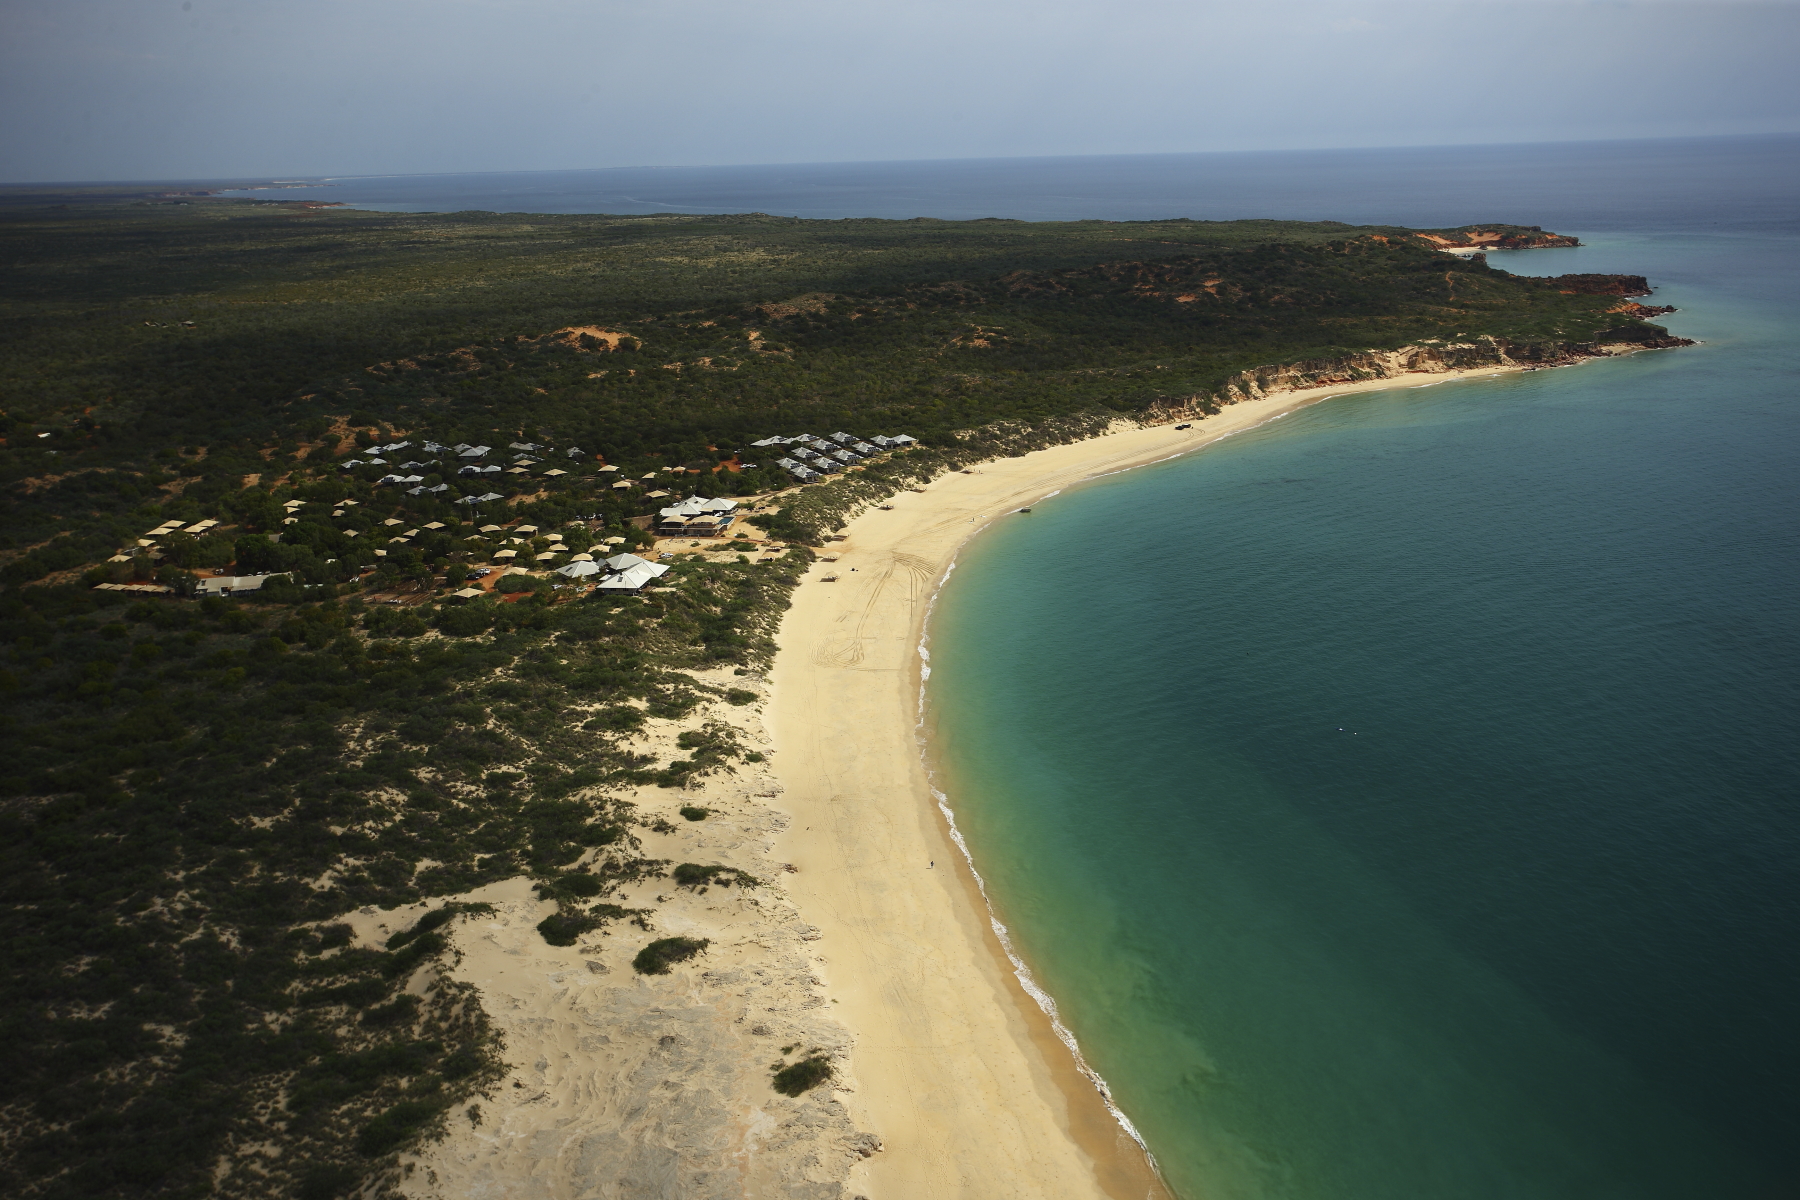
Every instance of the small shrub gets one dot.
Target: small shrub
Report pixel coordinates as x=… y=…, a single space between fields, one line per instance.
x=423 y=947
x=402 y=1011
x=692 y=875
x=359 y=994
x=660 y=955
x=564 y=928
x=460 y=1064
x=468 y=620
x=796 y=1078
x=620 y=718
x=512 y=584
x=394 y=1126
x=695 y=814
x=739 y=696
x=425 y=924
x=394 y=623
x=600 y=835
x=577 y=885
x=328 y=1181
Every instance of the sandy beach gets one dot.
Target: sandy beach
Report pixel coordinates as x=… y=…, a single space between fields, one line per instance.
x=958 y=1070
x=867 y=941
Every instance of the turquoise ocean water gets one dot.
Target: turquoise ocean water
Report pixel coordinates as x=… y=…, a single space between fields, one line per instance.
x=1403 y=799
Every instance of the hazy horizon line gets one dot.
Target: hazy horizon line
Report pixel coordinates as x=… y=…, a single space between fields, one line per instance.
x=332 y=178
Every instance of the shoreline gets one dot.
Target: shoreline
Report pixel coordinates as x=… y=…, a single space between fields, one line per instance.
x=938 y=1003
x=868 y=939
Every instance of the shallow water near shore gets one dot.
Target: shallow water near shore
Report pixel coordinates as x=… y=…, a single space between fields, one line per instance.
x=1397 y=798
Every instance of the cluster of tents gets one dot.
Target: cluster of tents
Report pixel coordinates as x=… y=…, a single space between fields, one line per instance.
x=620 y=573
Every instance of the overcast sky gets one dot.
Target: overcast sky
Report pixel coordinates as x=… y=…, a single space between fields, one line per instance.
x=206 y=89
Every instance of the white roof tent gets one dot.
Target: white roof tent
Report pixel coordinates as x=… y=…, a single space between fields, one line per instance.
x=230 y=585
x=628 y=573
x=835 y=440
x=696 y=506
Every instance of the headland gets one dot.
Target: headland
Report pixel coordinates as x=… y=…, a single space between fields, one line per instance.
x=463 y=807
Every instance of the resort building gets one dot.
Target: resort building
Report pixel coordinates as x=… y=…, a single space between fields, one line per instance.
x=697 y=517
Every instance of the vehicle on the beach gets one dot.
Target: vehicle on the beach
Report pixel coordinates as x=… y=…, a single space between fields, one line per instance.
x=1189 y=425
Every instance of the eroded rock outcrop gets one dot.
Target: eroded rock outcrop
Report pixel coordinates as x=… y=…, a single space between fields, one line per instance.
x=1479 y=352
x=1600 y=285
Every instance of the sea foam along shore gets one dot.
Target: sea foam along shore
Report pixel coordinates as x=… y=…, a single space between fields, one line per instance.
x=962 y=1069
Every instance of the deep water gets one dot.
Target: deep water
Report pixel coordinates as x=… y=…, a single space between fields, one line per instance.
x=1678 y=184
x=1403 y=799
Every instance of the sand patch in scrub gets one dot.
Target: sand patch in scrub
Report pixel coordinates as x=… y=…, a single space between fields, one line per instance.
x=627 y=1085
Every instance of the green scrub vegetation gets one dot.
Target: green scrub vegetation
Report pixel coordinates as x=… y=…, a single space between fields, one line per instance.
x=660 y=956
x=201 y=791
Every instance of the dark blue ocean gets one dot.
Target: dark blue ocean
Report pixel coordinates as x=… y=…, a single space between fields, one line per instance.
x=1401 y=800
x=1740 y=182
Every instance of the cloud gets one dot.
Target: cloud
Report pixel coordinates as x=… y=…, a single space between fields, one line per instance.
x=151 y=89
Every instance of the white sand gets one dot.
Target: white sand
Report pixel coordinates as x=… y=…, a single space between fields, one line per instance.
x=958 y=1070
x=950 y=1081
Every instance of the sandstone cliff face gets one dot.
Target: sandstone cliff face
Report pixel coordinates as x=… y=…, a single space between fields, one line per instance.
x=1481 y=352
x=1643 y=311
x=1600 y=285
x=1497 y=239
